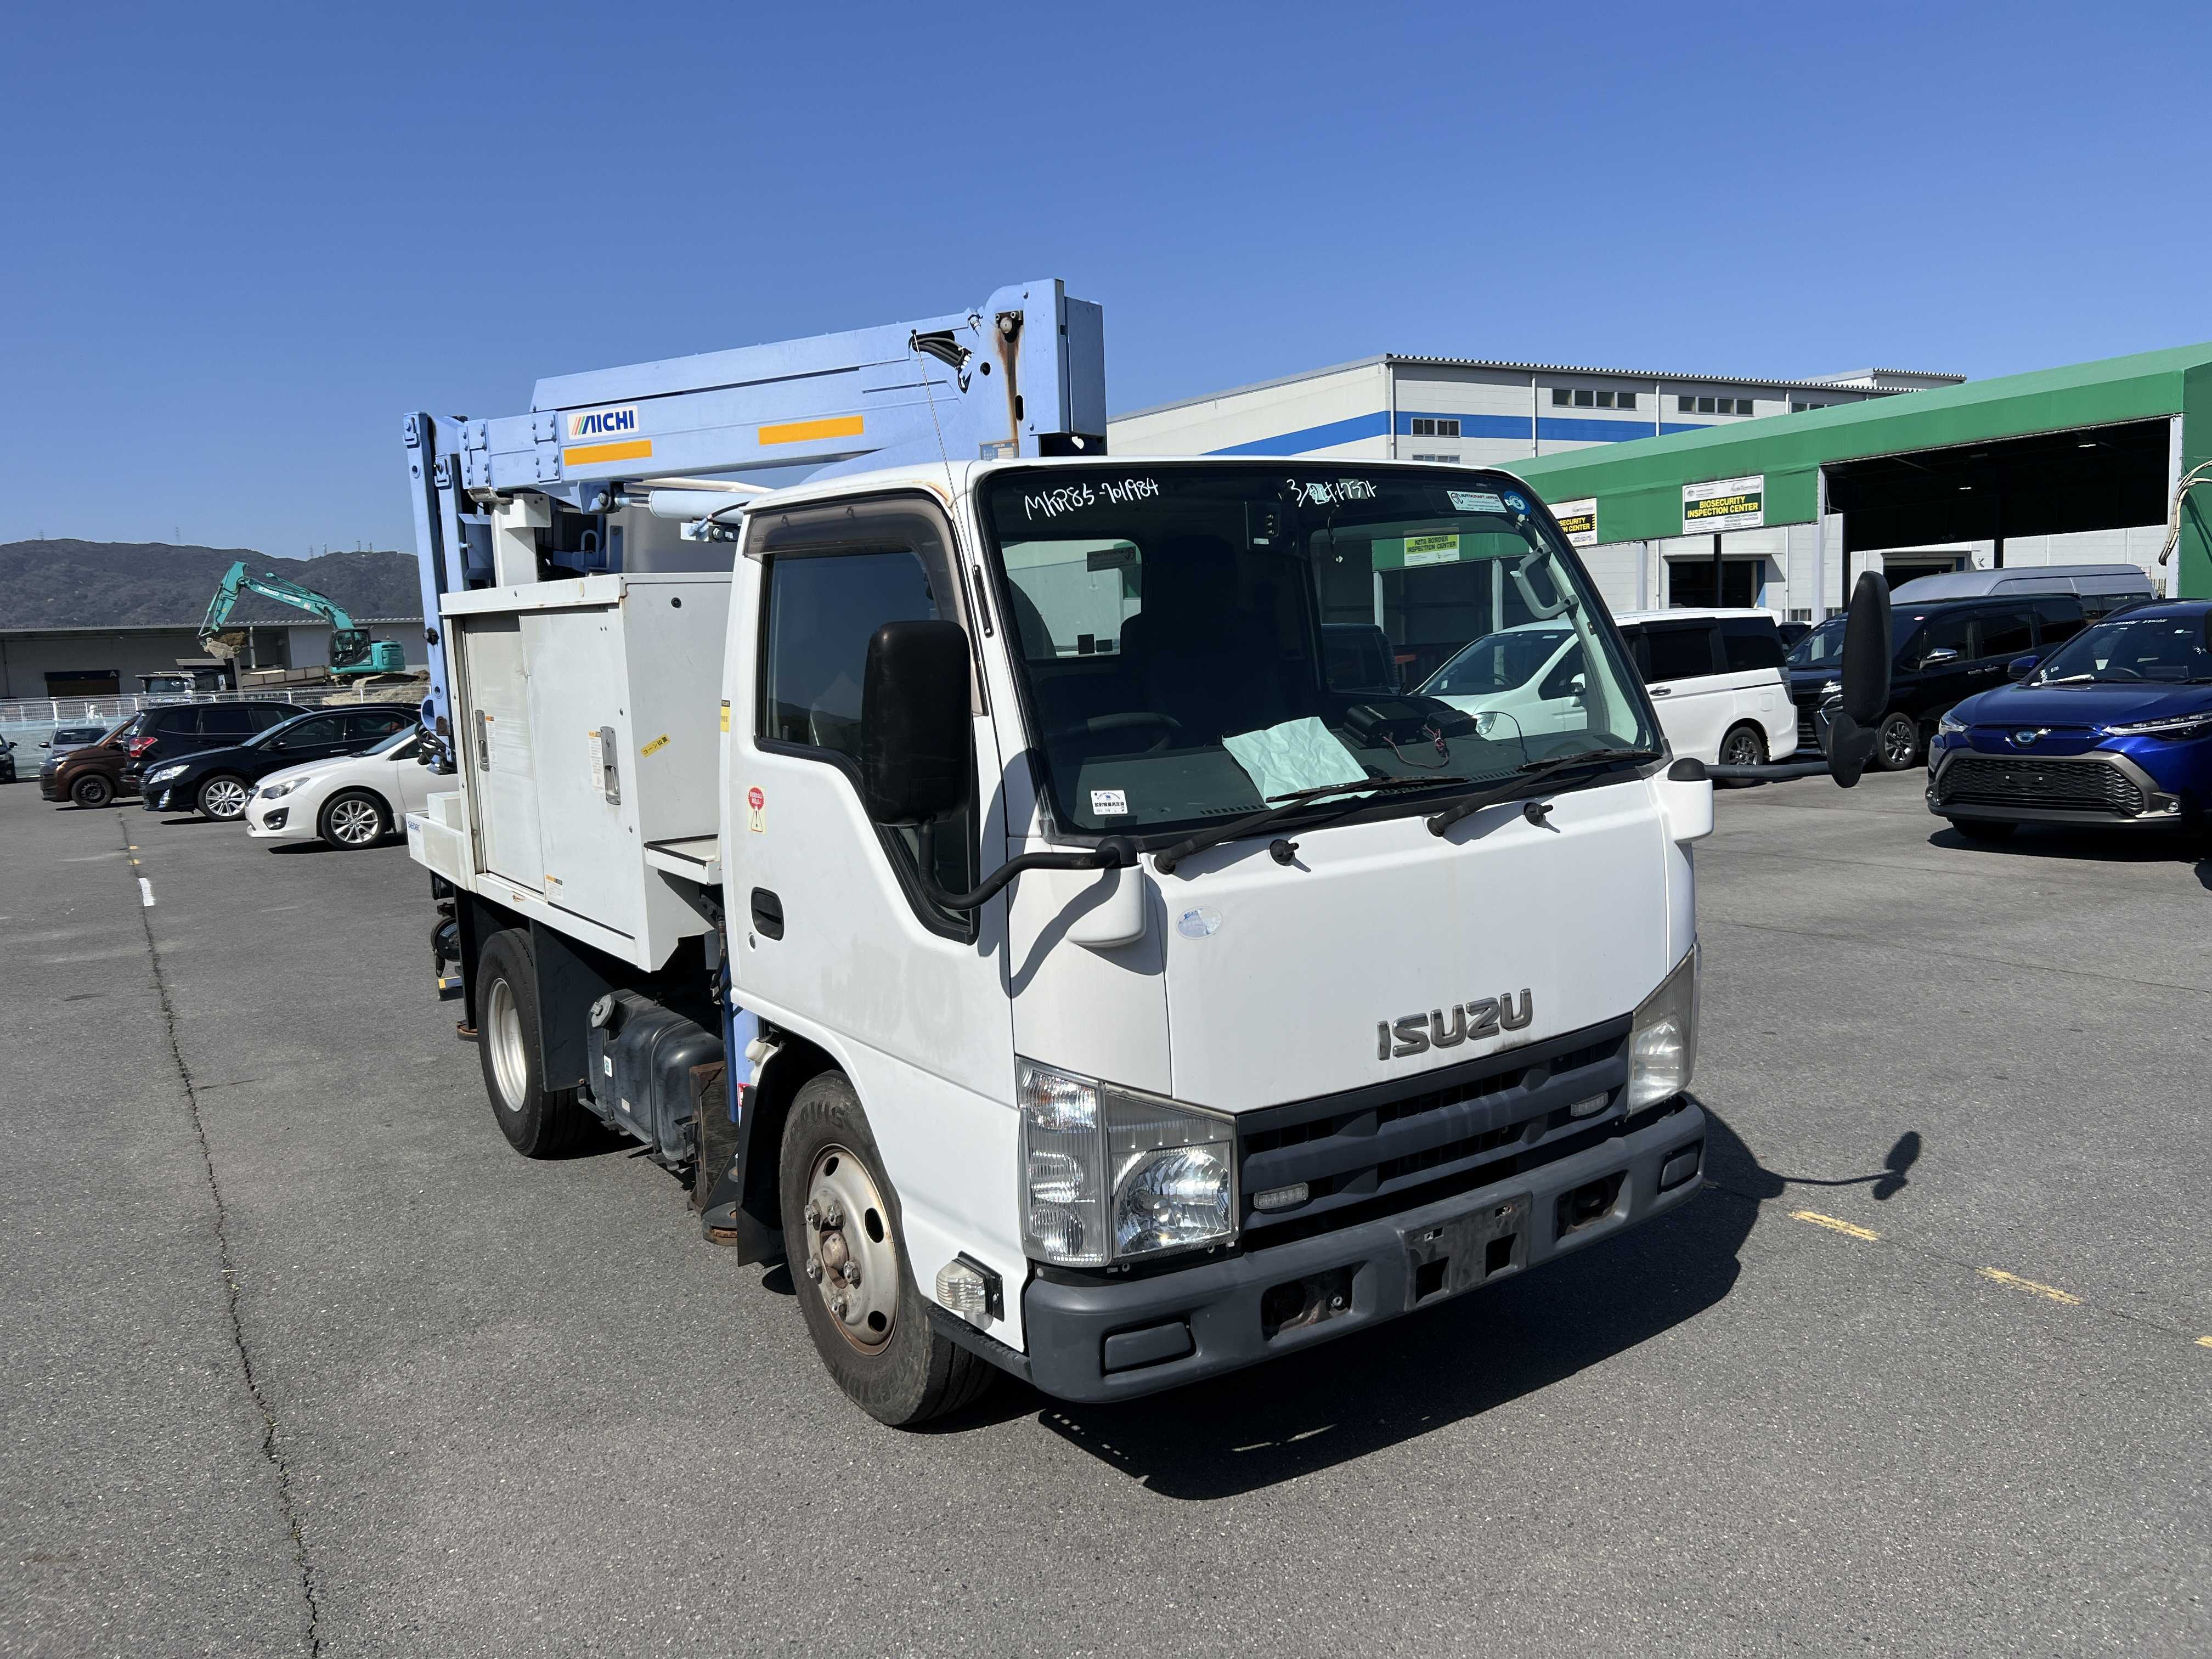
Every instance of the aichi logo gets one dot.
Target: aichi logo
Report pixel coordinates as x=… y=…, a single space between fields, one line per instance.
x=604 y=422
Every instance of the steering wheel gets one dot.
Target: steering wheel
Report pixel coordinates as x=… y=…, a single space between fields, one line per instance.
x=1135 y=718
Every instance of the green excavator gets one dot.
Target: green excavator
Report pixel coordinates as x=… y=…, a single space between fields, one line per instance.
x=353 y=653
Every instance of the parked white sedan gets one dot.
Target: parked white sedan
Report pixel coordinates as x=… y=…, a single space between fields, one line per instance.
x=351 y=802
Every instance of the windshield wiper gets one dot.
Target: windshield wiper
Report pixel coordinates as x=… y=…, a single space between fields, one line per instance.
x=1526 y=781
x=1252 y=822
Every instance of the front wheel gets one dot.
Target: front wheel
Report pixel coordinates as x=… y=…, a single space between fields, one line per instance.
x=537 y=1121
x=92 y=790
x=355 y=820
x=1897 y=744
x=223 y=798
x=842 y=1239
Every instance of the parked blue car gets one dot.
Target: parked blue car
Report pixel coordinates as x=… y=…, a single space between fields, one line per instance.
x=2114 y=727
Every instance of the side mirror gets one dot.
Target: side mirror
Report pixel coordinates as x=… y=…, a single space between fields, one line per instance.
x=1939 y=656
x=1578 y=685
x=1865 y=697
x=915 y=729
x=2020 y=667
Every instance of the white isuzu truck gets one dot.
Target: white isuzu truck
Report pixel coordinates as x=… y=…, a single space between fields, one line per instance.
x=962 y=854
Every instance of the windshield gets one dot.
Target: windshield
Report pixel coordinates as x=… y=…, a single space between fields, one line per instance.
x=398 y=743
x=1821 y=648
x=77 y=734
x=2175 y=650
x=1199 y=640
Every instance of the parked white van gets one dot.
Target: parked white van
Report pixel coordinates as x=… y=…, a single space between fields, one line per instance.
x=1715 y=676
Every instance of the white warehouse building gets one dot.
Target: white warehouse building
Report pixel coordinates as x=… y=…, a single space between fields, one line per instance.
x=1477 y=413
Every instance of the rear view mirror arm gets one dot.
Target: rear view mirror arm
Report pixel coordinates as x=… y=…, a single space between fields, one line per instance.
x=1114 y=853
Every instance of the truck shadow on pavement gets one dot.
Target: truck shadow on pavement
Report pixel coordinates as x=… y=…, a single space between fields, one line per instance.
x=1396 y=1383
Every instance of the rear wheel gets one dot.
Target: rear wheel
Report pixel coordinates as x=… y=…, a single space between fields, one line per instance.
x=354 y=819
x=224 y=797
x=1983 y=829
x=1897 y=744
x=1744 y=745
x=92 y=790
x=537 y=1121
x=842 y=1238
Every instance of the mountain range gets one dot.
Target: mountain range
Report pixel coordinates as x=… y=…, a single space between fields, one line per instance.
x=74 y=584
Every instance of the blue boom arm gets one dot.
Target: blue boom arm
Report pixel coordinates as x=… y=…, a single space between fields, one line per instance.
x=1024 y=373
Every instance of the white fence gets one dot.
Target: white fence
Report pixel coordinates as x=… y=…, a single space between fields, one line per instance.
x=27 y=722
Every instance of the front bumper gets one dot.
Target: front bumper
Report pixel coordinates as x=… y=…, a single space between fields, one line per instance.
x=166 y=798
x=1118 y=1338
x=264 y=822
x=2134 y=800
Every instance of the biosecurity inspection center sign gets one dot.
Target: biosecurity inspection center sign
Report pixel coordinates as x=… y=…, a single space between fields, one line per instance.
x=1577 y=521
x=1725 y=504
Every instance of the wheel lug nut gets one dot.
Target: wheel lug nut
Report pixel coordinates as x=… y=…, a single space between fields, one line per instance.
x=813 y=1213
x=814 y=1268
x=837 y=1305
x=851 y=1272
x=832 y=1215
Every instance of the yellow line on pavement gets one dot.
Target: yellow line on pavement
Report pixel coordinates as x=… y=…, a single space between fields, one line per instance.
x=1834 y=1225
x=2052 y=1291
x=2204 y=1341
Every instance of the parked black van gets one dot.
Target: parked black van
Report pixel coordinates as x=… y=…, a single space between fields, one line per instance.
x=1947 y=651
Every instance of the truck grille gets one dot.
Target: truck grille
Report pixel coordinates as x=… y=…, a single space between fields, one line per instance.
x=1466 y=1125
x=2074 y=786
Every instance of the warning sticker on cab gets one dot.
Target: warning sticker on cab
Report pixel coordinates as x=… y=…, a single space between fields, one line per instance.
x=756 y=811
x=1109 y=803
x=656 y=745
x=725 y=713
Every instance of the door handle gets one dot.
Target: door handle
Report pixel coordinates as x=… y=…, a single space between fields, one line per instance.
x=768 y=913
x=1661 y=691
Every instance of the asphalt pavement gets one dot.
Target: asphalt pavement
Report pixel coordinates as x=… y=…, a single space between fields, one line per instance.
x=296 y=1357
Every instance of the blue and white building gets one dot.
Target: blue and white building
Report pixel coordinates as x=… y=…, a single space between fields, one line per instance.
x=1476 y=413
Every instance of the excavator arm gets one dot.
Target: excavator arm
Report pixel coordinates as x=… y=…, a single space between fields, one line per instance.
x=351 y=648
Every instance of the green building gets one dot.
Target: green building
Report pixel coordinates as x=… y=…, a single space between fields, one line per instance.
x=2063 y=465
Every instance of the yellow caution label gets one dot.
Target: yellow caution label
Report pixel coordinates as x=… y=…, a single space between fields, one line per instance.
x=800 y=432
x=656 y=745
x=637 y=449
x=725 y=713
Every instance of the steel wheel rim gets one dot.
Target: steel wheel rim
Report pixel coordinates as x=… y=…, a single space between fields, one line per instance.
x=850 y=1225
x=353 y=822
x=225 y=799
x=502 y=1030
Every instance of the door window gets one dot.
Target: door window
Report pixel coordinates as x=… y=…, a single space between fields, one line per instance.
x=2006 y=633
x=265 y=715
x=1751 y=642
x=2058 y=620
x=1679 y=653
x=371 y=724
x=822 y=612
x=1951 y=633
x=309 y=734
x=223 y=719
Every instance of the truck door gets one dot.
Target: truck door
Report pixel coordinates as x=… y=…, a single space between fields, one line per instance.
x=500 y=751
x=831 y=932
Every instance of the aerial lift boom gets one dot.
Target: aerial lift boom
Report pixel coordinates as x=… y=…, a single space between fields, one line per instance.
x=498 y=502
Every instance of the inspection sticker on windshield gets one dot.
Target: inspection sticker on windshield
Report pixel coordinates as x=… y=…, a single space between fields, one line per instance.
x=1474 y=501
x=1109 y=803
x=1431 y=550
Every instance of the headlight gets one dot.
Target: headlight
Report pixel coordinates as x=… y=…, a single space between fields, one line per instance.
x=1950 y=722
x=1663 y=1039
x=1831 y=688
x=163 y=774
x=2174 y=728
x=1108 y=1174
x=277 y=790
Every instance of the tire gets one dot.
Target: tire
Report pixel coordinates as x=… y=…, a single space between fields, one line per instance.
x=354 y=819
x=1983 y=829
x=1744 y=745
x=224 y=797
x=1897 y=742
x=537 y=1121
x=883 y=1352
x=92 y=789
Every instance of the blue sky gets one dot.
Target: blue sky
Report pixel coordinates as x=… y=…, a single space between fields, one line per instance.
x=240 y=242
